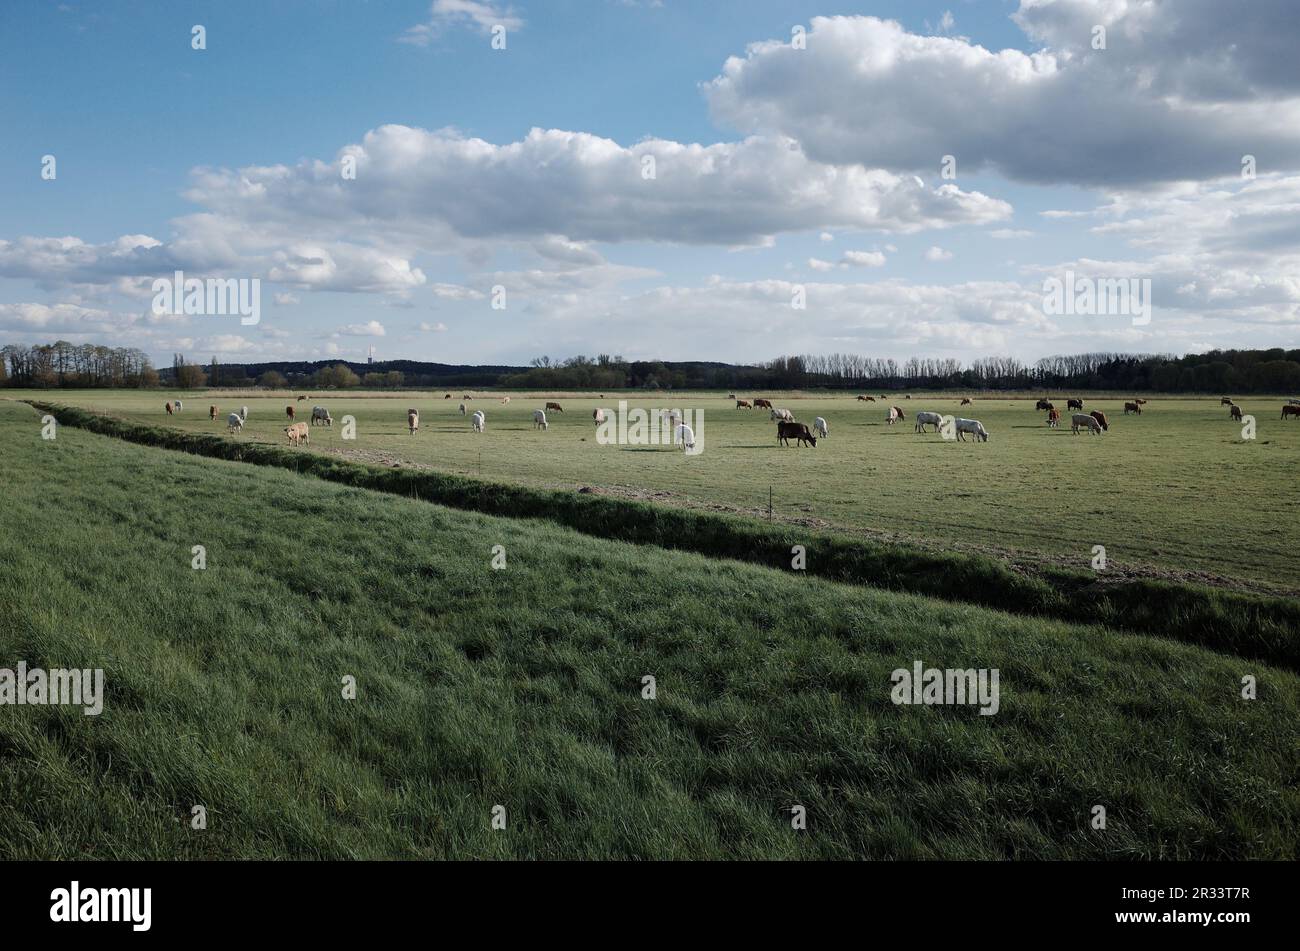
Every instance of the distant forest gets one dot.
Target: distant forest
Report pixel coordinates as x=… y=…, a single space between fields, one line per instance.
x=64 y=364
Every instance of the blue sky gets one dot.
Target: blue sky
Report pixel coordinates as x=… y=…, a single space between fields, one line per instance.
x=817 y=169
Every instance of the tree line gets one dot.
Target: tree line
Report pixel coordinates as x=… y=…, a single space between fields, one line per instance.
x=62 y=364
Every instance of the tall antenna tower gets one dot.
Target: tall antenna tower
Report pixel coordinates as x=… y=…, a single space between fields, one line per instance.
x=371 y=358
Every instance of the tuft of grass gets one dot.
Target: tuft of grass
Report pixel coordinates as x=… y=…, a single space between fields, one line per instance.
x=522 y=687
x=1248 y=625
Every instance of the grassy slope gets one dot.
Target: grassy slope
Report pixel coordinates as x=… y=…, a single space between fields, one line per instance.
x=1176 y=489
x=522 y=686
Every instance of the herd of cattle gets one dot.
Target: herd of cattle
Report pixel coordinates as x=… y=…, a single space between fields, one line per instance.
x=787 y=427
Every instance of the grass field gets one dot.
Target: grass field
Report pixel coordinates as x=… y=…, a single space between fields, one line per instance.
x=1176 y=492
x=522 y=686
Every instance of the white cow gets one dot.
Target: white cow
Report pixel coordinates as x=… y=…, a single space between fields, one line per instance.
x=539 y=419
x=319 y=414
x=177 y=405
x=1088 y=422
x=243 y=411
x=784 y=414
x=974 y=427
x=598 y=415
x=234 y=423
x=478 y=422
x=894 y=415
x=820 y=427
x=686 y=436
x=928 y=419
x=413 y=421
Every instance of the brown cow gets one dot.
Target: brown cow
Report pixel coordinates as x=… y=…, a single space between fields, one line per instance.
x=786 y=431
x=298 y=433
x=447 y=397
x=301 y=398
x=1074 y=404
x=1053 y=418
x=169 y=409
x=1132 y=408
x=555 y=406
x=212 y=412
x=1234 y=412
x=966 y=401
x=1290 y=410
x=289 y=411
x=866 y=399
x=758 y=403
x=1044 y=404
x=1100 y=417
x=744 y=404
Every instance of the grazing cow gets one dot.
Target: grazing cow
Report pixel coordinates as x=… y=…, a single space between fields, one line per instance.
x=1225 y=401
x=234 y=423
x=169 y=409
x=927 y=419
x=762 y=404
x=967 y=402
x=1290 y=410
x=1141 y=402
x=895 y=414
x=319 y=414
x=785 y=431
x=820 y=427
x=744 y=404
x=301 y=398
x=1053 y=418
x=783 y=414
x=1074 y=404
x=1100 y=417
x=467 y=397
x=1132 y=408
x=865 y=399
x=539 y=420
x=298 y=433
x=1087 y=421
x=685 y=435
x=598 y=415
x=554 y=406
x=1234 y=412
x=478 y=422
x=447 y=397
x=1044 y=404
x=212 y=412
x=289 y=411
x=505 y=400
x=972 y=426
x=412 y=421
x=178 y=405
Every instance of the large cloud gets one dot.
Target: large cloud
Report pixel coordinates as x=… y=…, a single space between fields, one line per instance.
x=433 y=187
x=1182 y=91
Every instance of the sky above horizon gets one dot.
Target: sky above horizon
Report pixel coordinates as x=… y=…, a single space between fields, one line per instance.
x=650 y=178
